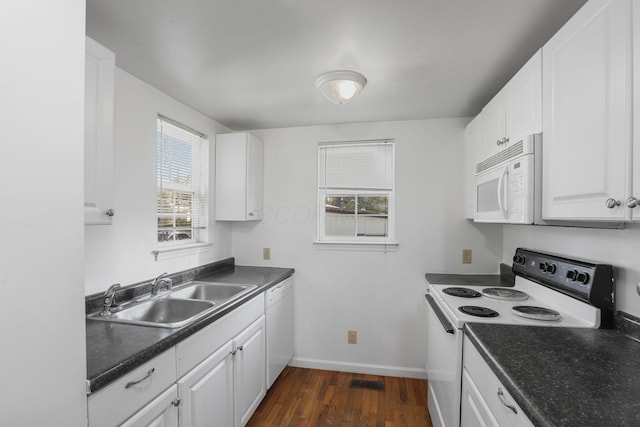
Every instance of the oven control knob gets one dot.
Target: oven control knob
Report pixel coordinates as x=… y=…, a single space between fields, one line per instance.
x=543 y=266
x=582 y=278
x=551 y=269
x=519 y=259
x=572 y=274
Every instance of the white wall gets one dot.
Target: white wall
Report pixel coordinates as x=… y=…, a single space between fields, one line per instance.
x=121 y=252
x=381 y=295
x=43 y=359
x=616 y=247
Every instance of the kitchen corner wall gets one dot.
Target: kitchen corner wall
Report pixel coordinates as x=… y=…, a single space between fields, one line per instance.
x=616 y=247
x=380 y=294
x=43 y=357
x=121 y=252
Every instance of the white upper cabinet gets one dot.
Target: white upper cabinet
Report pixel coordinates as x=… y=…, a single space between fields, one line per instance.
x=634 y=195
x=98 y=133
x=494 y=137
x=515 y=111
x=472 y=141
x=523 y=100
x=239 y=172
x=587 y=115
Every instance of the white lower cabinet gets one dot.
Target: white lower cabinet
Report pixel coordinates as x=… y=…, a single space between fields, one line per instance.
x=485 y=401
x=250 y=371
x=229 y=385
x=206 y=393
x=222 y=369
x=161 y=412
x=133 y=395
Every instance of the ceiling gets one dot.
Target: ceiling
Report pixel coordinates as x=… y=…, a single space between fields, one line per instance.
x=252 y=64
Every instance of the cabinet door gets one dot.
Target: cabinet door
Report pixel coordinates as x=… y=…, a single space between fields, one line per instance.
x=254 y=178
x=636 y=117
x=206 y=392
x=161 y=412
x=473 y=409
x=472 y=141
x=98 y=133
x=586 y=114
x=523 y=100
x=494 y=130
x=239 y=170
x=250 y=370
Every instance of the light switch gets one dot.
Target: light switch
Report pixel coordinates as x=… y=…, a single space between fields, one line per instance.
x=266 y=253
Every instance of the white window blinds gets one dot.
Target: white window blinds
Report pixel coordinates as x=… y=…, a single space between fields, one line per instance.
x=364 y=166
x=182 y=175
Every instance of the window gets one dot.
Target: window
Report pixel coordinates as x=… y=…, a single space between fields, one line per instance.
x=182 y=173
x=356 y=183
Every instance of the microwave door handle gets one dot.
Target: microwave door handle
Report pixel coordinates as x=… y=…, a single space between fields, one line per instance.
x=501 y=202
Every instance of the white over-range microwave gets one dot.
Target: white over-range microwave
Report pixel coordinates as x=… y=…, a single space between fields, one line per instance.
x=507 y=183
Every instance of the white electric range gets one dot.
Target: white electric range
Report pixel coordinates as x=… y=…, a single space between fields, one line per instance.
x=549 y=291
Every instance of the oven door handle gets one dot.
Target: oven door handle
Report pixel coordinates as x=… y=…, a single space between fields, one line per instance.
x=448 y=327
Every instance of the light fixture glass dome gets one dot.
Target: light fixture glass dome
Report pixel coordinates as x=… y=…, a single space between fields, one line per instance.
x=340 y=86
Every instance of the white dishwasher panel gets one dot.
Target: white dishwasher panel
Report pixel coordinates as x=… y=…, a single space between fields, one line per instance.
x=280 y=334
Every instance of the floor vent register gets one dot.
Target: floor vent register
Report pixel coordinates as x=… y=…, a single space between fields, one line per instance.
x=367 y=384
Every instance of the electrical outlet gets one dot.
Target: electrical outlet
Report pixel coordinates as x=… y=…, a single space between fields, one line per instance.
x=266 y=253
x=466 y=256
x=352 y=337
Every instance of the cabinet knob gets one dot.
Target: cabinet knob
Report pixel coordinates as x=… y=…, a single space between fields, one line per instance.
x=251 y=213
x=632 y=202
x=612 y=203
x=110 y=212
x=498 y=142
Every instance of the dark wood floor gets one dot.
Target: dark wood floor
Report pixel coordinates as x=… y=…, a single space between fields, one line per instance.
x=310 y=397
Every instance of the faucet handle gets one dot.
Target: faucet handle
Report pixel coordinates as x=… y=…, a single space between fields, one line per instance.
x=112 y=289
x=109 y=299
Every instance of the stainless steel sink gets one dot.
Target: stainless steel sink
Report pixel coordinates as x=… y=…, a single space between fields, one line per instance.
x=219 y=293
x=161 y=313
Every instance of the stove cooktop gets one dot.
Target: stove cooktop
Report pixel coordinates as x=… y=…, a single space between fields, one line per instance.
x=558 y=292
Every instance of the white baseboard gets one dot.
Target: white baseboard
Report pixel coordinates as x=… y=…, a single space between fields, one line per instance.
x=359 y=368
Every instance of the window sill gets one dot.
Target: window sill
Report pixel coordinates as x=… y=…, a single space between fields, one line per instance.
x=169 y=252
x=357 y=246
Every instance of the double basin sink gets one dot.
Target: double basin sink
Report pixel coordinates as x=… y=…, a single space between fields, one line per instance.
x=178 y=307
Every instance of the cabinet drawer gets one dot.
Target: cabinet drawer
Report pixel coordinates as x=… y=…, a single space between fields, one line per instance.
x=200 y=345
x=122 y=398
x=491 y=389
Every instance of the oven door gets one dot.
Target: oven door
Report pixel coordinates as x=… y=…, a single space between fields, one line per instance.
x=444 y=365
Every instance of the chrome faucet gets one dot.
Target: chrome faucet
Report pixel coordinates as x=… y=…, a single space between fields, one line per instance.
x=109 y=300
x=160 y=282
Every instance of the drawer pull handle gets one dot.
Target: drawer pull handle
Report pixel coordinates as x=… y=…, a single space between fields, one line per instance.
x=132 y=383
x=501 y=397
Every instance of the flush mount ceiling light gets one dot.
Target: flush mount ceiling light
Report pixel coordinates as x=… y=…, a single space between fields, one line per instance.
x=340 y=86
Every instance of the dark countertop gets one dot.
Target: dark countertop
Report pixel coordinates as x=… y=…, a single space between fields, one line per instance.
x=565 y=376
x=113 y=349
x=505 y=278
